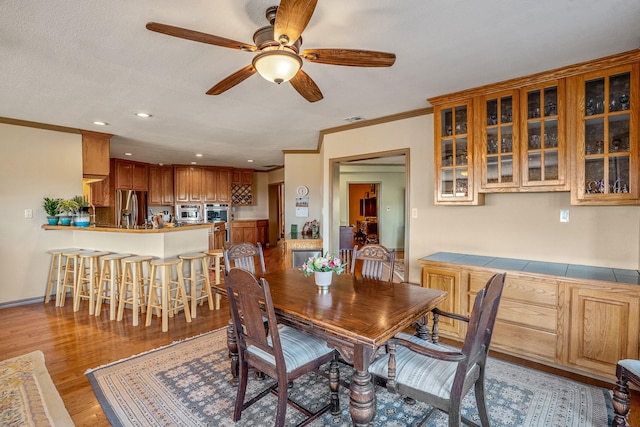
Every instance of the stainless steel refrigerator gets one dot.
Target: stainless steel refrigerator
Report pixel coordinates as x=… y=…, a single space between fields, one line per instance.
x=130 y=208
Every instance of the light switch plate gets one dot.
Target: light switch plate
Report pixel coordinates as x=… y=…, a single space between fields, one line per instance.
x=414 y=212
x=28 y=213
x=564 y=215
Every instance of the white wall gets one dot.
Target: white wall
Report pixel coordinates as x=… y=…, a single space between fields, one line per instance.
x=519 y=225
x=36 y=163
x=260 y=209
x=303 y=169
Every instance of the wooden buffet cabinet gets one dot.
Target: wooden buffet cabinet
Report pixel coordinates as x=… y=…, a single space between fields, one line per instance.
x=570 y=129
x=578 y=318
x=252 y=230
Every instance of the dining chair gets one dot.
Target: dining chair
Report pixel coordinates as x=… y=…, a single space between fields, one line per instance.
x=626 y=370
x=438 y=375
x=244 y=255
x=281 y=352
x=374 y=259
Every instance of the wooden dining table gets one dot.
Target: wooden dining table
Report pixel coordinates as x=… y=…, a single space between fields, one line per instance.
x=354 y=315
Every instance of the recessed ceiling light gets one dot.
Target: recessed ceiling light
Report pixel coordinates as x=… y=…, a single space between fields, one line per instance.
x=128 y=154
x=199 y=155
x=100 y=123
x=250 y=161
x=353 y=119
x=194 y=163
x=144 y=115
x=160 y=164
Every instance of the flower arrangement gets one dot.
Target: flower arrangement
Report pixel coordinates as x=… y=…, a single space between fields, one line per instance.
x=322 y=263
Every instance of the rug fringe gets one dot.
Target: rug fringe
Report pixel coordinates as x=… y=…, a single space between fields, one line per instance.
x=224 y=328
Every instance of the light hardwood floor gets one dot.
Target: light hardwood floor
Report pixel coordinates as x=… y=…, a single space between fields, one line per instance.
x=74 y=342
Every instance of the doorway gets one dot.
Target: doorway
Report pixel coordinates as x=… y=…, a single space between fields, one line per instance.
x=363 y=212
x=276 y=213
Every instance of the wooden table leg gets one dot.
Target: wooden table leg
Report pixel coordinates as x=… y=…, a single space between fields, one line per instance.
x=362 y=397
x=232 y=344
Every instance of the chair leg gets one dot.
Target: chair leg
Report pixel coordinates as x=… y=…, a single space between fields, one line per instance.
x=621 y=403
x=454 y=412
x=334 y=382
x=281 y=412
x=481 y=402
x=242 y=388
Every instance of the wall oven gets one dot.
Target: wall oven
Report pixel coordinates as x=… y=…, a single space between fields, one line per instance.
x=189 y=213
x=218 y=212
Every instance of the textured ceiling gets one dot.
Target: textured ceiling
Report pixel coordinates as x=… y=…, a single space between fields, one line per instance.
x=70 y=62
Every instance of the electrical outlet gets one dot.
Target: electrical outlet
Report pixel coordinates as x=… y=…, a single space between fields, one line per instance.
x=28 y=213
x=564 y=215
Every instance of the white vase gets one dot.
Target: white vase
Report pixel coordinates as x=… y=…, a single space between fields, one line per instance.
x=323 y=278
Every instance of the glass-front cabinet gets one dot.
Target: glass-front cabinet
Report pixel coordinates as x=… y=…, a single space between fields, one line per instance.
x=606 y=151
x=543 y=156
x=499 y=140
x=454 y=156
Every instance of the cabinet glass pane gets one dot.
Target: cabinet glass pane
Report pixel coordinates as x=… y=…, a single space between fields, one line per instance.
x=619 y=174
x=551 y=165
x=461 y=120
x=492 y=141
x=492 y=169
x=506 y=169
x=461 y=152
x=447 y=122
x=492 y=112
x=447 y=152
x=535 y=167
x=619 y=133
x=533 y=104
x=550 y=133
x=619 y=92
x=594 y=136
x=506 y=109
x=462 y=175
x=551 y=101
x=507 y=140
x=594 y=175
x=594 y=97
x=533 y=130
x=447 y=182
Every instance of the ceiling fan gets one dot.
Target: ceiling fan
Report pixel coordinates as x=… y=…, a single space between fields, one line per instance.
x=277 y=50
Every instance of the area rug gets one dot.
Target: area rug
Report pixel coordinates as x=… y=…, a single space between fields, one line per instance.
x=187 y=384
x=28 y=396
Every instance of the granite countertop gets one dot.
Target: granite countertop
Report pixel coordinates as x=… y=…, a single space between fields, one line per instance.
x=300 y=236
x=618 y=275
x=113 y=228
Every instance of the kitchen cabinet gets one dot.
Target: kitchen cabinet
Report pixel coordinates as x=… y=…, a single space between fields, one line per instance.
x=549 y=313
x=603 y=325
x=242 y=187
x=100 y=196
x=160 y=186
x=188 y=184
x=95 y=154
x=455 y=155
x=605 y=136
x=130 y=175
x=252 y=231
x=216 y=187
x=217 y=236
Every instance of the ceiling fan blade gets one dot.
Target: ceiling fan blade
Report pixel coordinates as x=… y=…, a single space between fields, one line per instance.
x=291 y=20
x=235 y=78
x=306 y=87
x=350 y=57
x=198 y=36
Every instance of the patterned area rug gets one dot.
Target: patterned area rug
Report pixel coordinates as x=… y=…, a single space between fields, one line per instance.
x=187 y=383
x=28 y=397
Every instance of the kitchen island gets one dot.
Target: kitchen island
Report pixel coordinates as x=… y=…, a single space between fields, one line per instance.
x=158 y=242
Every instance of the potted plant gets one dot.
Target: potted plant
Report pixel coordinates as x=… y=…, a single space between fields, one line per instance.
x=52 y=209
x=67 y=208
x=322 y=268
x=81 y=217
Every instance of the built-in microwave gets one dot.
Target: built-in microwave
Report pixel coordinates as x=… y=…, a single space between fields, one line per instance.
x=218 y=212
x=189 y=213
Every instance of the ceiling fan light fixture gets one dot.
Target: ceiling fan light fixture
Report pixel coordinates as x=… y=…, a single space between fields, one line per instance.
x=277 y=66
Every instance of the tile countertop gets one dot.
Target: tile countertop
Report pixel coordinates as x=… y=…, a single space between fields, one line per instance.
x=618 y=275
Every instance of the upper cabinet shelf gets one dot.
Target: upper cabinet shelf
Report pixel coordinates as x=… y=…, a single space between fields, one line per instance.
x=570 y=129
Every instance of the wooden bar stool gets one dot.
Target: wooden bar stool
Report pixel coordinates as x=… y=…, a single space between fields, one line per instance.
x=198 y=263
x=70 y=277
x=56 y=272
x=132 y=285
x=109 y=282
x=173 y=295
x=216 y=255
x=87 y=279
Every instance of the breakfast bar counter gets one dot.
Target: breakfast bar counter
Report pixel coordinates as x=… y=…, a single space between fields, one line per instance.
x=158 y=242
